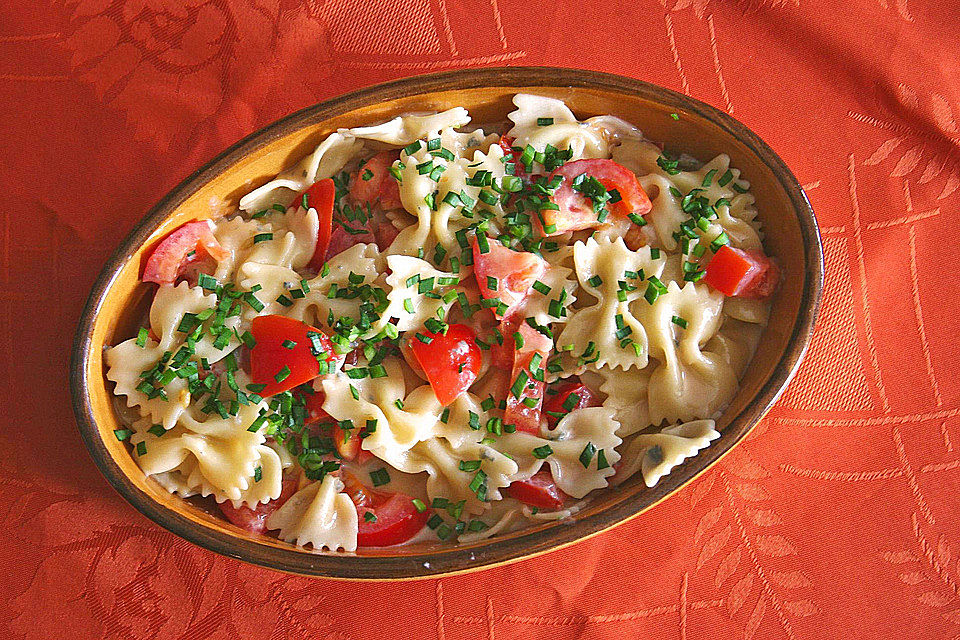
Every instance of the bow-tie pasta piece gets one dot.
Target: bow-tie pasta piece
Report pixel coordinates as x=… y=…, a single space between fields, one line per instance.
x=401 y=420
x=540 y=121
x=656 y=454
x=174 y=313
x=687 y=383
x=416 y=292
x=442 y=190
x=319 y=515
x=606 y=333
x=723 y=193
x=628 y=396
x=572 y=450
x=347 y=281
x=329 y=157
x=404 y=130
x=735 y=342
x=472 y=472
x=226 y=453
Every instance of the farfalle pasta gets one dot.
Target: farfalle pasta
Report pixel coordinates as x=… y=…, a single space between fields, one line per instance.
x=428 y=329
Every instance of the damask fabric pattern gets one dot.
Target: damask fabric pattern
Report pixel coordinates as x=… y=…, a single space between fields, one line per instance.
x=837 y=517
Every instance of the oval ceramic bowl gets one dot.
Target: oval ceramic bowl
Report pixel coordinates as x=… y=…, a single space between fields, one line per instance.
x=118 y=300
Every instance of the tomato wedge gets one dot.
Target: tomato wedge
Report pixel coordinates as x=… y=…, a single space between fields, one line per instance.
x=518 y=413
x=254 y=520
x=512 y=274
x=570 y=396
x=745 y=274
x=173 y=253
x=393 y=516
x=539 y=491
x=576 y=210
x=320 y=196
x=313 y=403
x=282 y=357
x=394 y=520
x=374 y=182
x=506 y=143
x=450 y=361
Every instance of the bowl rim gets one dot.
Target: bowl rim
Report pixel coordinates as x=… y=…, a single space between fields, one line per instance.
x=454 y=560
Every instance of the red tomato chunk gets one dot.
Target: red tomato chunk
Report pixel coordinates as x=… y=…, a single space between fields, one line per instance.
x=576 y=210
x=373 y=182
x=539 y=491
x=393 y=517
x=570 y=396
x=282 y=357
x=524 y=409
x=174 y=252
x=511 y=273
x=255 y=519
x=740 y=273
x=450 y=361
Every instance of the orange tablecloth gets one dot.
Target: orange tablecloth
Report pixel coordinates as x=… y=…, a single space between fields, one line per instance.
x=838 y=517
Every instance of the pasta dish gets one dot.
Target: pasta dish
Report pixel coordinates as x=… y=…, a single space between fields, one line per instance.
x=433 y=330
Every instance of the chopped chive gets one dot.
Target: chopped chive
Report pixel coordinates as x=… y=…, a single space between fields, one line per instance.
x=207 y=282
x=544 y=122
x=122 y=434
x=542 y=288
x=283 y=374
x=571 y=401
x=262 y=237
x=543 y=452
x=469 y=465
x=719 y=241
x=477 y=525
x=708 y=179
x=637 y=219
x=482 y=243
x=587 y=455
x=380 y=477
x=680 y=322
x=142 y=336
x=517 y=387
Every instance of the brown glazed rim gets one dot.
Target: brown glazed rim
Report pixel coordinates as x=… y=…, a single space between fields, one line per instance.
x=445 y=561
